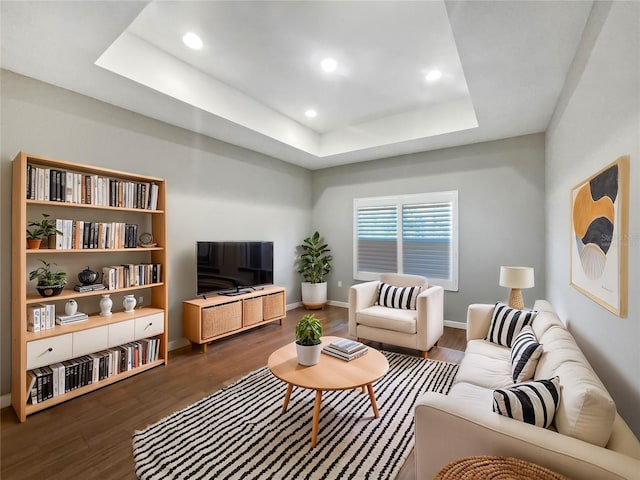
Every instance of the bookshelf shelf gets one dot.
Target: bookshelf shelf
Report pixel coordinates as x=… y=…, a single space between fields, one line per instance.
x=48 y=204
x=30 y=409
x=93 y=321
x=68 y=293
x=89 y=185
x=47 y=251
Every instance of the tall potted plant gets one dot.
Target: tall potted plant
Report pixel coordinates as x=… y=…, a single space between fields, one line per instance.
x=314 y=263
x=308 y=342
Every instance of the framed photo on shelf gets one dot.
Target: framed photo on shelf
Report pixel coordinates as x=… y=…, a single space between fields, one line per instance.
x=599 y=236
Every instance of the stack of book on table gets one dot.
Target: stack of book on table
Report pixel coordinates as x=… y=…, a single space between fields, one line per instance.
x=66 y=319
x=345 y=349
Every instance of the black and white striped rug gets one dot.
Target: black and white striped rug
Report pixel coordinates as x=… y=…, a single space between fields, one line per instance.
x=240 y=433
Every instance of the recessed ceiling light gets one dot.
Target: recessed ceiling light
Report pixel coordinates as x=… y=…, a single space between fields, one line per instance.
x=433 y=75
x=329 y=65
x=311 y=113
x=192 y=40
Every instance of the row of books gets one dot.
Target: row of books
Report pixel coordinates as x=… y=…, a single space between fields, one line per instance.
x=345 y=349
x=41 y=317
x=131 y=275
x=79 y=234
x=57 y=185
x=60 y=378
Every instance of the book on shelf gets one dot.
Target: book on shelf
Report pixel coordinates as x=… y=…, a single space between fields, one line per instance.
x=31 y=384
x=347 y=346
x=47 y=315
x=66 y=319
x=329 y=350
x=33 y=318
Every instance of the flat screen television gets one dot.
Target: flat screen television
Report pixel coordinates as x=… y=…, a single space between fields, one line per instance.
x=233 y=267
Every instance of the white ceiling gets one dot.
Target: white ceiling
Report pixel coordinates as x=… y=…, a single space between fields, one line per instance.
x=503 y=63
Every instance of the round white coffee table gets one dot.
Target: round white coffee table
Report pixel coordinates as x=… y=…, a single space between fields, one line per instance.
x=329 y=374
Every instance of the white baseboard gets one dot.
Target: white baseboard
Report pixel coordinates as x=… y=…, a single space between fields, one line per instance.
x=5 y=400
x=338 y=304
x=452 y=324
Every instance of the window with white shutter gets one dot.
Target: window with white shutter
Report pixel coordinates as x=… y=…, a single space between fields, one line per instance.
x=415 y=234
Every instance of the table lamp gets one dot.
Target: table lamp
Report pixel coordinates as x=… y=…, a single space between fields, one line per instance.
x=516 y=278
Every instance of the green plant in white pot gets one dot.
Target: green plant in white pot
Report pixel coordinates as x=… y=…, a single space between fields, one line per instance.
x=314 y=264
x=308 y=341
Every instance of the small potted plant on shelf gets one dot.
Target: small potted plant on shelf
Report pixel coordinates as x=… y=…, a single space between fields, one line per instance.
x=314 y=263
x=33 y=238
x=50 y=283
x=41 y=230
x=308 y=342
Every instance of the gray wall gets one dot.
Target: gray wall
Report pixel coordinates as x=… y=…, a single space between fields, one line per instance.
x=216 y=191
x=596 y=121
x=501 y=211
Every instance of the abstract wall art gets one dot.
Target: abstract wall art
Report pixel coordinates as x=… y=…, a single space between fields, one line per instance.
x=599 y=246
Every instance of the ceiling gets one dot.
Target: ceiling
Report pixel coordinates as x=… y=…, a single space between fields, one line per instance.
x=503 y=66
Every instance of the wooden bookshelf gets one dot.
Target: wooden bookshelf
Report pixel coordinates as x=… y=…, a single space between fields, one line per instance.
x=96 y=329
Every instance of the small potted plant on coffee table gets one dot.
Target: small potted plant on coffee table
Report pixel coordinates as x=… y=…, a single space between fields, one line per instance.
x=308 y=342
x=50 y=283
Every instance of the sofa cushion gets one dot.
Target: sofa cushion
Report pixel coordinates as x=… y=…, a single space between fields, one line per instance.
x=388 y=318
x=398 y=297
x=544 y=321
x=486 y=365
x=586 y=409
x=474 y=397
x=525 y=353
x=506 y=323
x=532 y=402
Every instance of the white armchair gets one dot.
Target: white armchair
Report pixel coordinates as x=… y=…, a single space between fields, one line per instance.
x=419 y=329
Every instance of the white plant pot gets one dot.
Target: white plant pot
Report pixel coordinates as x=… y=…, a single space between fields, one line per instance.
x=308 y=355
x=314 y=295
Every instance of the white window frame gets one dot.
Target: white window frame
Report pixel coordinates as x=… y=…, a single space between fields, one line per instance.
x=398 y=201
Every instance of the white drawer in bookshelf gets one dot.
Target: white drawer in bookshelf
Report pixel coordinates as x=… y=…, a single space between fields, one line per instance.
x=121 y=333
x=49 y=350
x=90 y=341
x=149 y=326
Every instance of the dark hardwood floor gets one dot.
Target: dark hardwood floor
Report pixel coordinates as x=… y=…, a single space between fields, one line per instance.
x=90 y=437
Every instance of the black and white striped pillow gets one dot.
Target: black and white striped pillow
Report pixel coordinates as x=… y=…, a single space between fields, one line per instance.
x=530 y=402
x=398 y=297
x=525 y=353
x=507 y=322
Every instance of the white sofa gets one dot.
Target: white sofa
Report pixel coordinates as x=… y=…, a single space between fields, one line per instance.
x=419 y=329
x=587 y=440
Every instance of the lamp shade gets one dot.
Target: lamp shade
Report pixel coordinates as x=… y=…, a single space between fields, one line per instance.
x=516 y=277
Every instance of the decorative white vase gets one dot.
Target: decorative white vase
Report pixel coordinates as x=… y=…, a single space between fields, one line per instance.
x=129 y=303
x=105 y=305
x=71 y=307
x=308 y=354
x=314 y=295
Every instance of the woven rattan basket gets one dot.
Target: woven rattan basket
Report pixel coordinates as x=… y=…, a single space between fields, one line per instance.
x=495 y=468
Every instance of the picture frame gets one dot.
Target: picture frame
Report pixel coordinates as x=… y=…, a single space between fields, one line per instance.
x=599 y=219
